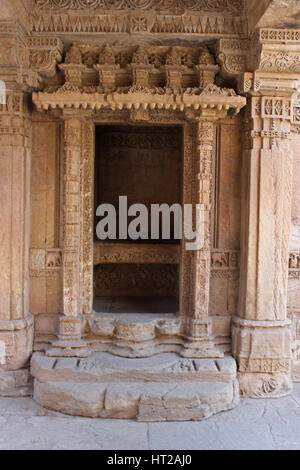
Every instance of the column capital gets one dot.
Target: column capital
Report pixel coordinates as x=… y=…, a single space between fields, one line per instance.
x=14 y=56
x=265 y=64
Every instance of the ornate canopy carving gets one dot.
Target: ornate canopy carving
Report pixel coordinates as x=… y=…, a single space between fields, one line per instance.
x=178 y=78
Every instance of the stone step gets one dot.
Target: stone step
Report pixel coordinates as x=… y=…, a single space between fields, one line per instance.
x=145 y=401
x=104 y=367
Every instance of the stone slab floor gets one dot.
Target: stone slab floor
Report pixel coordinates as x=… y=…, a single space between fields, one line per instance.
x=254 y=424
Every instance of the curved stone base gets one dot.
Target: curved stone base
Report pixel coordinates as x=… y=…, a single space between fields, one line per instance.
x=160 y=388
x=148 y=401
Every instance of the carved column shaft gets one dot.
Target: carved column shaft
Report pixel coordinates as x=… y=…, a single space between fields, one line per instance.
x=203 y=182
x=196 y=264
x=261 y=334
x=71 y=216
x=16 y=325
x=87 y=207
x=70 y=322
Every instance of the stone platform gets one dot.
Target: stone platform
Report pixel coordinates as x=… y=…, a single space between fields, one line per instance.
x=160 y=388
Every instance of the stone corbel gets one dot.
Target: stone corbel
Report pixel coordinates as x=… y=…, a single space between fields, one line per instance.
x=44 y=55
x=233 y=56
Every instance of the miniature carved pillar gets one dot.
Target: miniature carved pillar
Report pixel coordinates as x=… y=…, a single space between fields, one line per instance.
x=261 y=333
x=70 y=322
x=16 y=324
x=199 y=340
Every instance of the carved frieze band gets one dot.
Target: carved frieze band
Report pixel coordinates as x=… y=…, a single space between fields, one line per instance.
x=206 y=17
x=267 y=365
x=44 y=262
x=190 y=24
x=233 y=7
x=106 y=253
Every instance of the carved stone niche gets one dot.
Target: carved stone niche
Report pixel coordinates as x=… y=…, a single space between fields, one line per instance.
x=192 y=99
x=189 y=82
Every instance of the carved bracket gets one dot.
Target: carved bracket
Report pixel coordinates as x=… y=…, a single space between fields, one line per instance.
x=44 y=55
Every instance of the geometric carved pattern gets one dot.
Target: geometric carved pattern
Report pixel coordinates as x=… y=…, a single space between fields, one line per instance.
x=264 y=365
x=191 y=24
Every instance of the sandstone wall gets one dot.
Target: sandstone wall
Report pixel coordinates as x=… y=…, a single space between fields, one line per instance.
x=44 y=236
x=224 y=281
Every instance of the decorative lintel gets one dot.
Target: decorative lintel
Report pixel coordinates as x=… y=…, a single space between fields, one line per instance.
x=212 y=98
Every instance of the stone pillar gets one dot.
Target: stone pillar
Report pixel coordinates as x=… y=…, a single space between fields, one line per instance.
x=199 y=331
x=16 y=323
x=266 y=70
x=261 y=337
x=70 y=322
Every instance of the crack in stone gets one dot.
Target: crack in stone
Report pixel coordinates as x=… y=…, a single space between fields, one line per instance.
x=148 y=436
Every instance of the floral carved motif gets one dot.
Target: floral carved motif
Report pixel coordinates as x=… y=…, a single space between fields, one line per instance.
x=280 y=61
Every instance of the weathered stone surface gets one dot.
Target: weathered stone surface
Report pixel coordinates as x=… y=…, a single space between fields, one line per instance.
x=17 y=383
x=103 y=367
x=142 y=400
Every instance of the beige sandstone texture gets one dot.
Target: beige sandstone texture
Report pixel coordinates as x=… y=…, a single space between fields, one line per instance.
x=195 y=102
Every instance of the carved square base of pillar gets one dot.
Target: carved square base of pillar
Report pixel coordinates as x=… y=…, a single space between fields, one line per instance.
x=198 y=349
x=68 y=349
x=16 y=342
x=199 y=328
x=69 y=343
x=69 y=328
x=199 y=341
x=262 y=346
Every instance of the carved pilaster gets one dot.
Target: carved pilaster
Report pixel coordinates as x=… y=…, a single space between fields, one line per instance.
x=87 y=206
x=70 y=324
x=199 y=341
